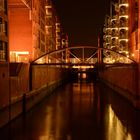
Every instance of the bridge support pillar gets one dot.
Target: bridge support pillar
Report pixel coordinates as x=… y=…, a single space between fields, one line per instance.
x=100 y=59
x=99 y=56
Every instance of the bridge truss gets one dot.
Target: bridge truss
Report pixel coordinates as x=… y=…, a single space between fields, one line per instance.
x=83 y=56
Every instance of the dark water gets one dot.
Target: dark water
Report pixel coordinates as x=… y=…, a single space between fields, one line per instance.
x=78 y=111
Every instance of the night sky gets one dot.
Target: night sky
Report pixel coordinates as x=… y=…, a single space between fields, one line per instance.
x=82 y=19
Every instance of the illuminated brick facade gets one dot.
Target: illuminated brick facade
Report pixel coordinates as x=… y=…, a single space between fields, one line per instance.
x=64 y=44
x=26 y=29
x=58 y=34
x=3 y=31
x=121 y=27
x=50 y=26
x=133 y=29
x=34 y=29
x=132 y=20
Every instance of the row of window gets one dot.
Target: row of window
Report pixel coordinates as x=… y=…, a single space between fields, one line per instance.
x=3 y=27
x=3 y=31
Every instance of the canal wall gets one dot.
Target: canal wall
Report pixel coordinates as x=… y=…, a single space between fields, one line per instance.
x=4 y=92
x=124 y=80
x=28 y=86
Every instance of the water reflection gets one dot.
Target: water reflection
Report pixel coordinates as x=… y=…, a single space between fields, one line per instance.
x=116 y=130
x=120 y=121
x=81 y=110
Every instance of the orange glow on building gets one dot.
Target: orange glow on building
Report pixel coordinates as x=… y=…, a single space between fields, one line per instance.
x=134 y=51
x=27 y=28
x=121 y=28
x=50 y=26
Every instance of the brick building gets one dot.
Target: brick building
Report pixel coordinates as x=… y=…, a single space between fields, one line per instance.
x=26 y=29
x=50 y=27
x=121 y=24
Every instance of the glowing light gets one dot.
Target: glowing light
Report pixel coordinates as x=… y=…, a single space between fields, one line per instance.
x=133 y=54
x=120 y=28
x=108 y=28
x=127 y=52
x=84 y=76
x=113 y=19
x=114 y=37
x=124 y=4
x=113 y=60
x=129 y=137
x=40 y=61
x=125 y=16
x=108 y=35
x=82 y=67
x=16 y=52
x=19 y=56
x=123 y=40
x=115 y=128
x=49 y=60
x=115 y=28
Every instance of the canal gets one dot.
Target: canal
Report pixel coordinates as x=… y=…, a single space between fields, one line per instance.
x=80 y=110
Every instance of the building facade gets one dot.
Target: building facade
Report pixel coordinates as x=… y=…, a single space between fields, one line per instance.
x=3 y=31
x=26 y=29
x=126 y=31
x=65 y=44
x=34 y=29
x=4 y=59
x=50 y=27
x=58 y=34
x=53 y=31
x=120 y=23
x=134 y=30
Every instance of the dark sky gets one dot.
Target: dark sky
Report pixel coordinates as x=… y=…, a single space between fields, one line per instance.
x=81 y=19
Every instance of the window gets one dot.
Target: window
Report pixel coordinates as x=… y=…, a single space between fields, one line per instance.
x=1 y=29
x=5 y=7
x=3 y=50
x=136 y=39
x=1 y=5
x=5 y=28
x=136 y=14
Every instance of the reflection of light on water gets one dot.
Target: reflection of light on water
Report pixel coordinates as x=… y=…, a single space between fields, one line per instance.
x=54 y=123
x=79 y=75
x=51 y=137
x=116 y=130
x=84 y=76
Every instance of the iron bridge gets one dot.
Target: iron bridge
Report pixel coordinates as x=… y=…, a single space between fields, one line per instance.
x=83 y=56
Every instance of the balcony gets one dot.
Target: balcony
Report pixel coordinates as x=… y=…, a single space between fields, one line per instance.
x=123 y=34
x=123 y=44
x=114 y=41
x=114 y=33
x=123 y=22
x=114 y=23
x=123 y=10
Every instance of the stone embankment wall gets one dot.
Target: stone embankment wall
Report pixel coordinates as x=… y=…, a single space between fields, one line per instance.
x=29 y=86
x=124 y=80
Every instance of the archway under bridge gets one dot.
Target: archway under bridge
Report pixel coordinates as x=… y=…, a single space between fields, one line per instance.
x=86 y=59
